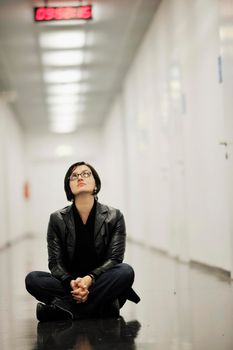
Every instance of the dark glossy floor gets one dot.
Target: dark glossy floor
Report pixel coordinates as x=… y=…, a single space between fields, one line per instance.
x=182 y=308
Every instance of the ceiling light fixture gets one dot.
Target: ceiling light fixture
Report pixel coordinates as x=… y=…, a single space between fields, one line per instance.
x=63 y=89
x=62 y=76
x=62 y=128
x=63 y=123
x=58 y=100
x=69 y=39
x=63 y=58
x=64 y=108
x=64 y=151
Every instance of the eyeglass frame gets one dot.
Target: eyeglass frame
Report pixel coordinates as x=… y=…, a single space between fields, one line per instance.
x=81 y=174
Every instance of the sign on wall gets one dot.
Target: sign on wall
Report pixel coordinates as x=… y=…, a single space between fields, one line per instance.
x=45 y=14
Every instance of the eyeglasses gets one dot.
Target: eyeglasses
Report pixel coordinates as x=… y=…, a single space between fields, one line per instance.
x=84 y=174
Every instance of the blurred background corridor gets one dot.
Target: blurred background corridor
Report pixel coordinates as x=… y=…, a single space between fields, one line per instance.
x=142 y=90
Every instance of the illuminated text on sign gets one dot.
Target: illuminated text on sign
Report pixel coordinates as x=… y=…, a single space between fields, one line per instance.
x=62 y=13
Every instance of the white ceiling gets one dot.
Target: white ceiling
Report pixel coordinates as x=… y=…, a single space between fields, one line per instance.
x=111 y=40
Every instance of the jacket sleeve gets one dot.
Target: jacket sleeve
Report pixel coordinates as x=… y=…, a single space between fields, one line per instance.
x=55 y=252
x=116 y=246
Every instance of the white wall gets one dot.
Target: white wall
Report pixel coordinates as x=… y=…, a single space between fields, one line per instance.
x=173 y=121
x=12 y=178
x=226 y=42
x=115 y=172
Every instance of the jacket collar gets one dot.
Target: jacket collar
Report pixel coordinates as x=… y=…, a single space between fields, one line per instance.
x=101 y=214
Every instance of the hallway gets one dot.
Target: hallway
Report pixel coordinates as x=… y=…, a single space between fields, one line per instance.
x=142 y=91
x=183 y=307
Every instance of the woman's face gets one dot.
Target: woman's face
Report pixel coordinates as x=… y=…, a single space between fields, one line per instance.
x=82 y=180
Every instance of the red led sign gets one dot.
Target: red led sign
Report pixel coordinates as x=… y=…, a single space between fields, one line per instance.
x=45 y=14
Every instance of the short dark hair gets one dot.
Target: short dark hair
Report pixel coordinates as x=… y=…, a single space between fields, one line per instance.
x=69 y=194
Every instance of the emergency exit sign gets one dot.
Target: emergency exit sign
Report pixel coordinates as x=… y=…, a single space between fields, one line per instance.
x=45 y=14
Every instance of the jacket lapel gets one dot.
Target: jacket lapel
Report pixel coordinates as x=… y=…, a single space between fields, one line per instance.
x=101 y=214
x=68 y=218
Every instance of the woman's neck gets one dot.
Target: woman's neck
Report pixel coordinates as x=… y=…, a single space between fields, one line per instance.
x=84 y=203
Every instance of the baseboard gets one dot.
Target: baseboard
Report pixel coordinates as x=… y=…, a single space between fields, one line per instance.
x=217 y=271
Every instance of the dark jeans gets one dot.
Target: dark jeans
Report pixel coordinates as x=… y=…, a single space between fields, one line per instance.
x=113 y=284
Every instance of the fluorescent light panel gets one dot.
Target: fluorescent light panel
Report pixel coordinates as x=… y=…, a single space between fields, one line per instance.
x=59 y=99
x=63 y=118
x=63 y=89
x=63 y=58
x=69 y=39
x=61 y=128
x=63 y=124
x=64 y=108
x=62 y=76
x=64 y=150
x=69 y=116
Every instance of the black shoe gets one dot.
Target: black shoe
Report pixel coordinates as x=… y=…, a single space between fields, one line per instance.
x=66 y=304
x=112 y=309
x=51 y=313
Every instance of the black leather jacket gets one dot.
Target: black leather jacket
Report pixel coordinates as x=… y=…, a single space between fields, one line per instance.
x=109 y=235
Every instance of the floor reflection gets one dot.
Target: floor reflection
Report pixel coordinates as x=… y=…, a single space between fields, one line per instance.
x=87 y=334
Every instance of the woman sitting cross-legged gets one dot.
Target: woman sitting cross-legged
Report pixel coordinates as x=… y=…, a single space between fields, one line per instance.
x=86 y=245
